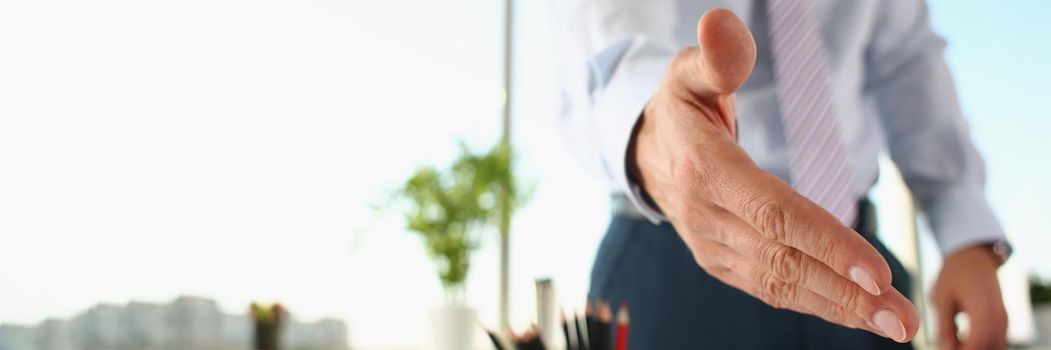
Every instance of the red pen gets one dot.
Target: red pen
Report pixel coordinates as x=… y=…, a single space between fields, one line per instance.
x=622 y=328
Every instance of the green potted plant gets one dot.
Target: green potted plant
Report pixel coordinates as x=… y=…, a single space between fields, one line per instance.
x=1040 y=296
x=267 y=324
x=450 y=210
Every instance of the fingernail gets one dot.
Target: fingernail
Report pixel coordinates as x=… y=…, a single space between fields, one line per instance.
x=889 y=323
x=864 y=280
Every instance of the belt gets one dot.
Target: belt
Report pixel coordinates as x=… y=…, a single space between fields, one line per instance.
x=866 y=224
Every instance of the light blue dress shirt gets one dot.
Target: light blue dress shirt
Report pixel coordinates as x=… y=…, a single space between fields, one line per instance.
x=891 y=92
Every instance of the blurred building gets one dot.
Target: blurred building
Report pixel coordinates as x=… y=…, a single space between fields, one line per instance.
x=195 y=323
x=103 y=327
x=55 y=334
x=15 y=337
x=187 y=323
x=237 y=331
x=320 y=335
x=147 y=326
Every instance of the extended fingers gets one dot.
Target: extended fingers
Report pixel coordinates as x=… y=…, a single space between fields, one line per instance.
x=764 y=285
x=891 y=312
x=778 y=213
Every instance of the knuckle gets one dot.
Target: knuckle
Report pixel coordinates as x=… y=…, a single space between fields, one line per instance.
x=769 y=215
x=852 y=298
x=827 y=252
x=681 y=66
x=695 y=220
x=786 y=263
x=776 y=293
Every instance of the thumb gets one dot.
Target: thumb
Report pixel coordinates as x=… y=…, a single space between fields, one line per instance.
x=726 y=55
x=946 y=324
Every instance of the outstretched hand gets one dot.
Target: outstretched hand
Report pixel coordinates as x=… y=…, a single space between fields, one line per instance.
x=744 y=225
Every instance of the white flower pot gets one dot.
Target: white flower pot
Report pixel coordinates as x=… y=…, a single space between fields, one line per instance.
x=453 y=327
x=1042 y=314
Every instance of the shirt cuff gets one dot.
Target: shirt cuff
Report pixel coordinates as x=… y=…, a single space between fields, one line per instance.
x=961 y=217
x=618 y=109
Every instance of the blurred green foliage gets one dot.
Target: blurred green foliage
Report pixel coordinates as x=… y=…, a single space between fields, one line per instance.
x=266 y=312
x=1039 y=290
x=450 y=209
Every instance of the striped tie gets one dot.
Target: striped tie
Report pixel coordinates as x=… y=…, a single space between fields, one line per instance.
x=816 y=155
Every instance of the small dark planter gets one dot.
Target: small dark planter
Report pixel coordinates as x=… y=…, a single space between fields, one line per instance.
x=267 y=336
x=267 y=324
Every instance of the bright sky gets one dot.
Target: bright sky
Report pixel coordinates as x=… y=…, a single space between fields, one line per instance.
x=999 y=55
x=232 y=149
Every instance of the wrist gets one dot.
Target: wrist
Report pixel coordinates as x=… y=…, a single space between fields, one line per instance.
x=632 y=156
x=641 y=134
x=986 y=253
x=1000 y=251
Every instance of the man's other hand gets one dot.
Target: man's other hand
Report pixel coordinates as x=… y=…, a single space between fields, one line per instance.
x=967 y=283
x=745 y=226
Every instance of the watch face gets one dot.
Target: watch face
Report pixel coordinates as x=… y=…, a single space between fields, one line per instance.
x=1002 y=250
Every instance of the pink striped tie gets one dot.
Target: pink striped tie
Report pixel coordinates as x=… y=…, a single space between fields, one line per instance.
x=816 y=155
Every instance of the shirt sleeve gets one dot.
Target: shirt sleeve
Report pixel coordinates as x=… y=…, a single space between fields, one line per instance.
x=927 y=136
x=614 y=54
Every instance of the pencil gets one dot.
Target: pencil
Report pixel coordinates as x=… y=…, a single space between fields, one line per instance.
x=622 y=328
x=570 y=340
x=582 y=336
x=604 y=318
x=593 y=327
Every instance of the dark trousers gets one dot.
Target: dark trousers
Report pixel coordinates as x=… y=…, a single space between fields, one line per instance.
x=674 y=304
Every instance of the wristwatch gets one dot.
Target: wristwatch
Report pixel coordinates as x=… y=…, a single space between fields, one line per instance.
x=1000 y=250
